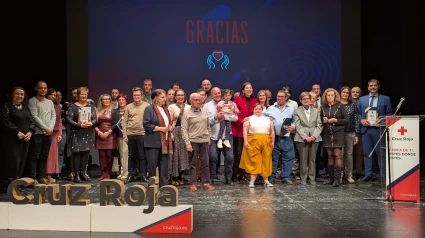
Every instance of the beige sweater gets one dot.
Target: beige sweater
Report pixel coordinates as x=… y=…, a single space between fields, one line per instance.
x=195 y=126
x=132 y=123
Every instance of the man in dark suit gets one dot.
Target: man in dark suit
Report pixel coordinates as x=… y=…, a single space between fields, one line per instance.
x=369 y=105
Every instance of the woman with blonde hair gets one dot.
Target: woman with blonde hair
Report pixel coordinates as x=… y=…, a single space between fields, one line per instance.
x=105 y=138
x=334 y=117
x=263 y=99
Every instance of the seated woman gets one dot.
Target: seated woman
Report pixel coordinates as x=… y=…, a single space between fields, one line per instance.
x=258 y=135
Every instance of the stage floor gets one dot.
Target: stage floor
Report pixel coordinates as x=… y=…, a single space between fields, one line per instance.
x=281 y=211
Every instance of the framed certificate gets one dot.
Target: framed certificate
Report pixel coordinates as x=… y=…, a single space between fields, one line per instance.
x=372 y=116
x=84 y=115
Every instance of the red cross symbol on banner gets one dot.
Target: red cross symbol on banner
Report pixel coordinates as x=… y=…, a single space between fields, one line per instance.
x=402 y=130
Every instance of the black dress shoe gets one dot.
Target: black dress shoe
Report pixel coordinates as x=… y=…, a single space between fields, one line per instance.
x=143 y=179
x=229 y=181
x=366 y=178
x=84 y=176
x=77 y=178
x=243 y=178
x=129 y=179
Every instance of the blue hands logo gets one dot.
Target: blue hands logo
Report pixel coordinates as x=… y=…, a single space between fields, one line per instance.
x=218 y=56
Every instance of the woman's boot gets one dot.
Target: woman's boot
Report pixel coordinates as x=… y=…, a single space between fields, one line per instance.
x=331 y=175
x=77 y=178
x=337 y=176
x=83 y=176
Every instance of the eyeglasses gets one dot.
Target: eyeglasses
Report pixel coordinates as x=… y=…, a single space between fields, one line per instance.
x=306 y=99
x=180 y=95
x=282 y=96
x=106 y=99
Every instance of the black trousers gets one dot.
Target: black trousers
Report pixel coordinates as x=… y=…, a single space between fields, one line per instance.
x=16 y=152
x=136 y=155
x=237 y=152
x=156 y=158
x=37 y=156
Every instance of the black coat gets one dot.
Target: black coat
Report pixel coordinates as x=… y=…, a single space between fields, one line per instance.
x=150 y=120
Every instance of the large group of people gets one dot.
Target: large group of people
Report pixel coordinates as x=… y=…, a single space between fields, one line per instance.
x=165 y=134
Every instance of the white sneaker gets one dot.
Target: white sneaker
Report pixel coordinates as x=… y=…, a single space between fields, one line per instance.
x=220 y=144
x=268 y=184
x=251 y=185
x=227 y=143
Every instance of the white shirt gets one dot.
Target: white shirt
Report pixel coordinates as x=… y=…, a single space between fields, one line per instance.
x=292 y=103
x=259 y=125
x=164 y=116
x=307 y=113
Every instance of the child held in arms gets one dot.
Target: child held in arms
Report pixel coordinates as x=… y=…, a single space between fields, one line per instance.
x=227 y=107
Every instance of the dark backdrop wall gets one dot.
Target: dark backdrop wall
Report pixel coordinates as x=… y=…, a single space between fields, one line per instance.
x=393 y=52
x=36 y=46
x=48 y=40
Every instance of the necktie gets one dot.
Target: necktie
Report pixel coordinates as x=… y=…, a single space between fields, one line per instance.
x=371 y=101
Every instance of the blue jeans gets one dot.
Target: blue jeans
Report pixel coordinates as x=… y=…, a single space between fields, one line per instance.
x=214 y=154
x=62 y=144
x=284 y=146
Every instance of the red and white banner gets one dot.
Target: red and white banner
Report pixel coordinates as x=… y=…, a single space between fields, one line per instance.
x=404 y=158
x=97 y=218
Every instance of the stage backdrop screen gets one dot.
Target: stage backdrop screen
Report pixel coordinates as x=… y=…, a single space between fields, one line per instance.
x=271 y=43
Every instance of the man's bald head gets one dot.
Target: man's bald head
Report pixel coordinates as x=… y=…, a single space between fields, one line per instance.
x=216 y=94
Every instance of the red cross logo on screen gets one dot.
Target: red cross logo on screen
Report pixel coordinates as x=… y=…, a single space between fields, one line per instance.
x=402 y=130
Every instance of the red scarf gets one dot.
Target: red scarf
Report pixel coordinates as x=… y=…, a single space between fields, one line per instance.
x=167 y=144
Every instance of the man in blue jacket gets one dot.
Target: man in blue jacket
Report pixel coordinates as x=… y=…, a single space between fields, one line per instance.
x=371 y=105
